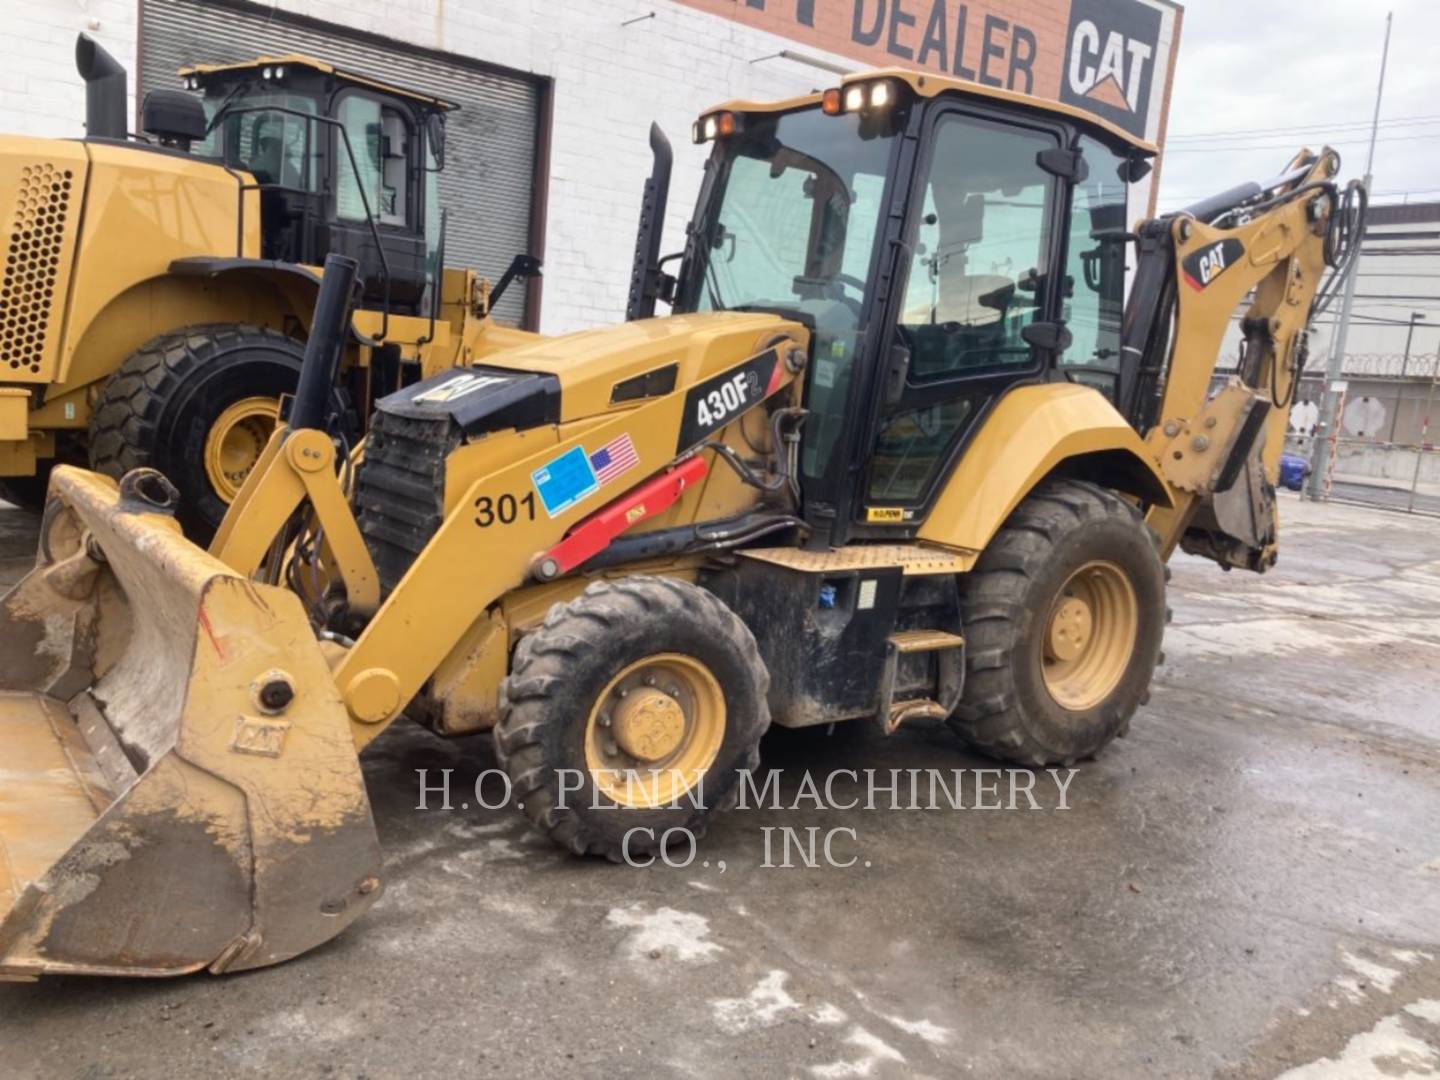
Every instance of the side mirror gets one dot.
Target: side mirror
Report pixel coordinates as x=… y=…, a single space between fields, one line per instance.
x=897 y=373
x=435 y=135
x=1135 y=168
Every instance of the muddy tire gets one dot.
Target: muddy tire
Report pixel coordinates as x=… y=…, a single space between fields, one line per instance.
x=161 y=406
x=648 y=678
x=1064 y=616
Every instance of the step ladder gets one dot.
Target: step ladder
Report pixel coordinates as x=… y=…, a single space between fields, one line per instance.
x=949 y=652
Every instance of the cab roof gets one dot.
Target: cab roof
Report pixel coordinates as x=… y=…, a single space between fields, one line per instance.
x=924 y=84
x=320 y=67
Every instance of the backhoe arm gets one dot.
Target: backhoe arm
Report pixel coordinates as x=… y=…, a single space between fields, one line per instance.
x=1221 y=456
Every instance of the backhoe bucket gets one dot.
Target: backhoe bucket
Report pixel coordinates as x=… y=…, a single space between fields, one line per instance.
x=178 y=784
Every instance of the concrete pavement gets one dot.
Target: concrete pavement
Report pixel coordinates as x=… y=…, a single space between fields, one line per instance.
x=1248 y=884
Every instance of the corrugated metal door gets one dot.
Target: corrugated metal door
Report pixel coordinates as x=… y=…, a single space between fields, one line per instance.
x=488 y=182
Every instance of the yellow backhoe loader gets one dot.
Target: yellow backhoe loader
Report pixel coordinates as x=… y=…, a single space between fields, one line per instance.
x=157 y=289
x=902 y=452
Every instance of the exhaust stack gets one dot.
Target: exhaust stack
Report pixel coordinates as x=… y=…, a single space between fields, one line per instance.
x=105 y=89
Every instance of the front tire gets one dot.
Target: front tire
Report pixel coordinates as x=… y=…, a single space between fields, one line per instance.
x=198 y=404
x=1064 y=615
x=630 y=713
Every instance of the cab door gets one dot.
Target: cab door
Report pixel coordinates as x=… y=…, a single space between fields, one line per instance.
x=975 y=303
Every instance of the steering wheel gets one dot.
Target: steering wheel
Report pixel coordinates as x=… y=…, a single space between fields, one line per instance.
x=854 y=303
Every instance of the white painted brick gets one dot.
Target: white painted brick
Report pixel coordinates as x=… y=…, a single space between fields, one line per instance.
x=610 y=82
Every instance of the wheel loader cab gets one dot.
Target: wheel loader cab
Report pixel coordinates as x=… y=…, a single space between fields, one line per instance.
x=342 y=164
x=946 y=248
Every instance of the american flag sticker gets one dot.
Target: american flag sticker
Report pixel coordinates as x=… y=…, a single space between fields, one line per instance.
x=614 y=458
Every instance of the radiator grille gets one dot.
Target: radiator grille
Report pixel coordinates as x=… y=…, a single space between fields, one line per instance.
x=32 y=265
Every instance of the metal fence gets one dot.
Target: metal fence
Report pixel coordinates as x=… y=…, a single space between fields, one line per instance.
x=1385 y=452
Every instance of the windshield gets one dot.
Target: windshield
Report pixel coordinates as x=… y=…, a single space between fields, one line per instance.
x=791 y=223
x=276 y=147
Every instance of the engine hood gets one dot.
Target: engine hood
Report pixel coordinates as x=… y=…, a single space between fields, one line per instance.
x=585 y=374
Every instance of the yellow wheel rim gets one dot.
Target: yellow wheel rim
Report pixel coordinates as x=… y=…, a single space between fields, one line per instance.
x=654 y=731
x=235 y=442
x=1090 y=636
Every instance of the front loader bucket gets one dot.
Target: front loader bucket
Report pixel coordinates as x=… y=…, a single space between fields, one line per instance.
x=178 y=785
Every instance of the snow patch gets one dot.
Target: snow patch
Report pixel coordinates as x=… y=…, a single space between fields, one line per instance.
x=933 y=1034
x=1428 y=1010
x=874 y=1052
x=760 y=1008
x=1386 y=1052
x=678 y=934
x=1377 y=975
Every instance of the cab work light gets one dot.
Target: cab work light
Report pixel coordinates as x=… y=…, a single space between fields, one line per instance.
x=715 y=126
x=860 y=97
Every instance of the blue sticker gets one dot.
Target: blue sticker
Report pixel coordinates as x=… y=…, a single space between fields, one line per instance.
x=565 y=481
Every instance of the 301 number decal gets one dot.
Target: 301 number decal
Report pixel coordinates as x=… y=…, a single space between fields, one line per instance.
x=506 y=510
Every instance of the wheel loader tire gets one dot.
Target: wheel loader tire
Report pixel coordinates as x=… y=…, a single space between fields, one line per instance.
x=596 y=693
x=193 y=404
x=1064 y=616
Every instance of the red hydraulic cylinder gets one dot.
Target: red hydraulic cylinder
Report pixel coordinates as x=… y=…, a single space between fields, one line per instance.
x=593 y=535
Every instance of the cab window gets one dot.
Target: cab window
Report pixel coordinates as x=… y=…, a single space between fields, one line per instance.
x=1093 y=304
x=379 y=139
x=977 y=273
x=277 y=148
x=979 y=259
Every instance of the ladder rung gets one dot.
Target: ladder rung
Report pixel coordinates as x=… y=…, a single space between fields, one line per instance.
x=911 y=641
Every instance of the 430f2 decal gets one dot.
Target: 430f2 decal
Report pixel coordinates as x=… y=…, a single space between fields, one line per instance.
x=712 y=404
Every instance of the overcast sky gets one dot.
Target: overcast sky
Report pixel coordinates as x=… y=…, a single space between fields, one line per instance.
x=1273 y=67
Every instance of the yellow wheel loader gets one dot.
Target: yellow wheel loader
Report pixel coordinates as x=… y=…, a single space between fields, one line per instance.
x=157 y=289
x=902 y=453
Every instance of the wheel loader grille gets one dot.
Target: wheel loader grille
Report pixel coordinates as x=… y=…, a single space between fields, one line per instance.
x=400 y=495
x=32 y=265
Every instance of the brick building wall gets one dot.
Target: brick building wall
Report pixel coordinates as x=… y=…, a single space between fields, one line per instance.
x=610 y=80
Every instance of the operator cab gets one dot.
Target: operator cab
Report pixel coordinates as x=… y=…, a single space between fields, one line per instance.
x=344 y=164
x=934 y=279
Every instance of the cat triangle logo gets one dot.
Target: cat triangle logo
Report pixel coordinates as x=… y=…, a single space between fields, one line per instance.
x=1108 y=92
x=458 y=387
x=1106 y=65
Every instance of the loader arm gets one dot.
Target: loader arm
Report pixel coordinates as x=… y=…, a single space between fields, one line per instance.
x=1220 y=456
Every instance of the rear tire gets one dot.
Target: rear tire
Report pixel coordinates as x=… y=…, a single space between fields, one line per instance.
x=1069 y=583
x=571 y=675
x=161 y=405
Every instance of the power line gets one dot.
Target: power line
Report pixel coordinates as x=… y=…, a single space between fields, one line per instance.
x=1379 y=194
x=1291 y=145
x=1403 y=121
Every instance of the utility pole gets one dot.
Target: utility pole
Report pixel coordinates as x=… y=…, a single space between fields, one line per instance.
x=1326 y=445
x=1415 y=317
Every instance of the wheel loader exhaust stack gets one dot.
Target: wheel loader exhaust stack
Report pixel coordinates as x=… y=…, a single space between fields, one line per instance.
x=180 y=787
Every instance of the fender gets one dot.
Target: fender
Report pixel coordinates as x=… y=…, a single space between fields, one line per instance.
x=169 y=301
x=298 y=284
x=1033 y=432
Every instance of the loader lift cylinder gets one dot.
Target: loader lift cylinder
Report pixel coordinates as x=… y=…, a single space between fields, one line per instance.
x=314 y=394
